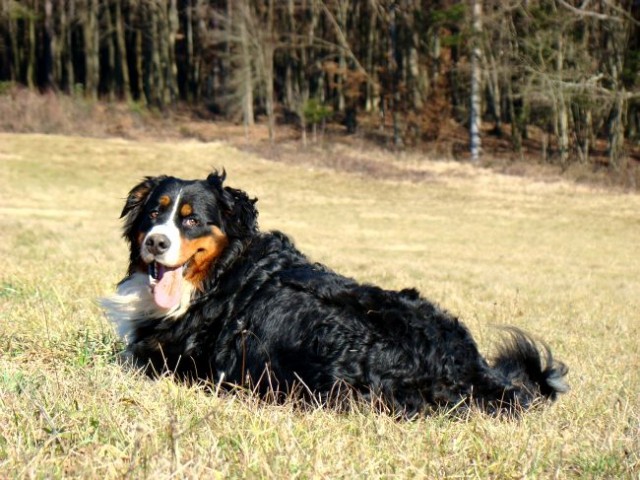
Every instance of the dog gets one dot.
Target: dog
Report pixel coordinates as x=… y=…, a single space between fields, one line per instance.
x=209 y=297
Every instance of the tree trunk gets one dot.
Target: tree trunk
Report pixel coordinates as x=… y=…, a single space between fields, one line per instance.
x=15 y=49
x=189 y=68
x=616 y=45
x=246 y=74
x=140 y=60
x=173 y=26
x=395 y=61
x=156 y=86
x=616 y=130
x=563 y=129
x=371 y=100
x=67 y=77
x=91 y=48
x=220 y=78
x=49 y=47
x=269 y=53
x=148 y=53
x=588 y=122
x=263 y=35
x=31 y=59
x=200 y=75
x=475 y=114
x=303 y=88
x=162 y=49
x=561 y=107
x=109 y=77
x=122 y=53
x=342 y=8
x=516 y=134
x=493 y=87
x=418 y=80
x=291 y=83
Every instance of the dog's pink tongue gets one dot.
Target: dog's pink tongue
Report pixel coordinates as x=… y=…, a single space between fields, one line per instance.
x=168 y=291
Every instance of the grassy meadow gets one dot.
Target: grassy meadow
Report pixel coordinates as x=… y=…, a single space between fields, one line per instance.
x=560 y=260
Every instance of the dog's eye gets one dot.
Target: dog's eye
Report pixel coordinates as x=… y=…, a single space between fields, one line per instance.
x=190 y=222
x=153 y=214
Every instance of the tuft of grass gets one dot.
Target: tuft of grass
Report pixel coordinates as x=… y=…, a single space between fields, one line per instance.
x=555 y=259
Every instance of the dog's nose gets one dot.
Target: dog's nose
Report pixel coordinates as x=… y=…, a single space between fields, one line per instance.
x=157 y=243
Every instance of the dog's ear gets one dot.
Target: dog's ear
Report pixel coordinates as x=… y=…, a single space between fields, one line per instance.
x=139 y=194
x=242 y=219
x=238 y=210
x=215 y=181
x=135 y=203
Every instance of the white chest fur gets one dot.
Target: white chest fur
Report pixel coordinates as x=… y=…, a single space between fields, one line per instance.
x=133 y=303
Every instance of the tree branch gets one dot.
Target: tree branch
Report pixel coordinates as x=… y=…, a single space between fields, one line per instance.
x=588 y=13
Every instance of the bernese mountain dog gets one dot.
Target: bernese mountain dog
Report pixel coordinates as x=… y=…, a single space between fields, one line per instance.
x=208 y=297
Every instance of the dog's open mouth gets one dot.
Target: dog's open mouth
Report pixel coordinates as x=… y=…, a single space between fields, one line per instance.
x=166 y=284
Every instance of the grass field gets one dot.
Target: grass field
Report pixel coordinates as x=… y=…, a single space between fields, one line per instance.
x=559 y=260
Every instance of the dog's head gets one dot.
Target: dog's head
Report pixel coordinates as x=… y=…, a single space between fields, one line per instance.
x=177 y=229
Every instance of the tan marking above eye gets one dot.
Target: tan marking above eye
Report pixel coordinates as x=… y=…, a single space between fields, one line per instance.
x=164 y=200
x=186 y=210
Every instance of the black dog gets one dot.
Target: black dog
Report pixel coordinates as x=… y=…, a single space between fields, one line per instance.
x=210 y=297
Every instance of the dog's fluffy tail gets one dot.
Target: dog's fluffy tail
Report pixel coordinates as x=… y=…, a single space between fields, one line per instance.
x=531 y=370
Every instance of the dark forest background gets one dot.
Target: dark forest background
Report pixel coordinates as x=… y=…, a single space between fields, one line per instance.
x=563 y=76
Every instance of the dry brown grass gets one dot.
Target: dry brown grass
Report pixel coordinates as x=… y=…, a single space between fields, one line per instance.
x=367 y=152
x=557 y=259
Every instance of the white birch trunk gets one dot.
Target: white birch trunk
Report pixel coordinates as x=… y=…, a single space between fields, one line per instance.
x=476 y=84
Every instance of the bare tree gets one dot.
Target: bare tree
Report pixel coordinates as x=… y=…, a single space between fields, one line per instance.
x=475 y=112
x=246 y=74
x=122 y=52
x=91 y=37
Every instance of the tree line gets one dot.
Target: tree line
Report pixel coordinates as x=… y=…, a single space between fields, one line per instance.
x=569 y=69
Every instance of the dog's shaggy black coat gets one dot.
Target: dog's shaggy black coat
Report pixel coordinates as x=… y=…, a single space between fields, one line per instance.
x=263 y=315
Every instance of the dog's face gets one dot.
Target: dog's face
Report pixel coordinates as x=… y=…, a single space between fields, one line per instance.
x=177 y=229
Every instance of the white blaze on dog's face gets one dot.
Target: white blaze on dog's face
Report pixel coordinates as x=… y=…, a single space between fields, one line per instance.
x=161 y=250
x=162 y=243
